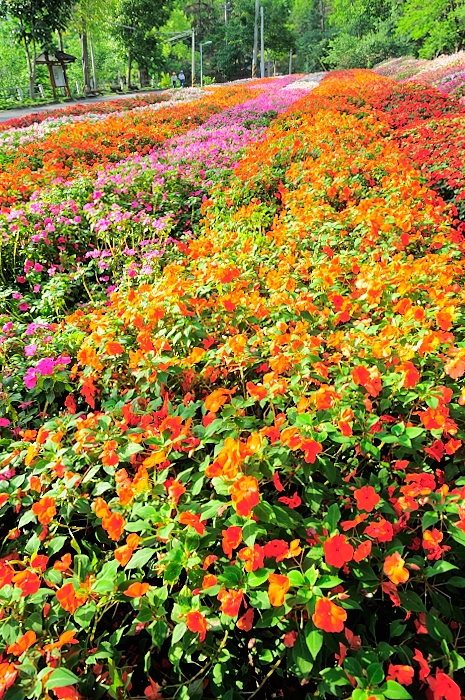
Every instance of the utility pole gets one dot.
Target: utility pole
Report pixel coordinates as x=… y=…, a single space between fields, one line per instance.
x=193 y=57
x=290 y=62
x=262 y=44
x=255 y=40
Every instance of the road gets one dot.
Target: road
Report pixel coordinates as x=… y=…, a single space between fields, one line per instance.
x=5 y=115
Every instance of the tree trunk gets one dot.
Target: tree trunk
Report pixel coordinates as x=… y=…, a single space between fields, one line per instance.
x=60 y=41
x=144 y=79
x=129 y=71
x=92 y=59
x=31 y=67
x=85 y=62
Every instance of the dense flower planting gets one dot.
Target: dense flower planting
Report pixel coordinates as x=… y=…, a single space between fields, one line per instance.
x=241 y=474
x=446 y=73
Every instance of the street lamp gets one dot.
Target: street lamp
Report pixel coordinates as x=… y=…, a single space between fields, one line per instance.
x=205 y=43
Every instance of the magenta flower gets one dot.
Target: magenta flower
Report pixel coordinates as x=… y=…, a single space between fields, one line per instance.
x=4 y=422
x=45 y=367
x=29 y=350
x=30 y=378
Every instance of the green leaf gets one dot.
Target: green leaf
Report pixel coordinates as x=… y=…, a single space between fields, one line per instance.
x=140 y=558
x=178 y=633
x=333 y=516
x=457 y=534
x=295 y=577
x=437 y=629
x=302 y=657
x=429 y=518
x=84 y=615
x=56 y=544
x=440 y=567
x=375 y=674
x=412 y=601
x=60 y=678
x=314 y=639
x=396 y=628
x=395 y=691
x=456 y=582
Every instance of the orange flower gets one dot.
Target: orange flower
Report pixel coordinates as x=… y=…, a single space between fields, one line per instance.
x=401 y=674
x=337 y=551
x=230 y=601
x=366 y=498
x=45 y=510
x=64 y=638
x=424 y=665
x=22 y=644
x=193 y=520
x=69 y=599
x=277 y=589
x=27 y=581
x=245 y=495
x=39 y=561
x=257 y=391
x=253 y=556
x=113 y=348
x=394 y=568
x=101 y=508
x=114 y=525
x=175 y=490
x=196 y=622
x=232 y=537
x=328 y=616
x=8 y=675
x=217 y=398
x=64 y=563
x=136 y=590
x=245 y=623
x=209 y=580
x=443 y=687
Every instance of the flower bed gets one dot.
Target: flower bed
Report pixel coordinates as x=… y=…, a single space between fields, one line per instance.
x=244 y=477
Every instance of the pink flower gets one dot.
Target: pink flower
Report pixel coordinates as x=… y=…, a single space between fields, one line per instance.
x=30 y=378
x=45 y=367
x=4 y=422
x=38 y=267
x=29 y=350
x=24 y=306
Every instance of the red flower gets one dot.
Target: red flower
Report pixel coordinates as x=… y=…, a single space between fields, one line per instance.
x=277 y=589
x=311 y=448
x=232 y=537
x=245 y=623
x=401 y=674
x=275 y=548
x=293 y=502
x=443 y=687
x=366 y=498
x=196 y=622
x=290 y=638
x=337 y=551
x=245 y=495
x=424 y=665
x=381 y=531
x=193 y=520
x=230 y=601
x=432 y=543
x=114 y=525
x=328 y=616
x=363 y=551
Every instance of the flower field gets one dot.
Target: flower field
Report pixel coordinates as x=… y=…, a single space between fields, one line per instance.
x=232 y=436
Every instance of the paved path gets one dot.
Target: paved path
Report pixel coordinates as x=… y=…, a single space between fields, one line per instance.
x=23 y=111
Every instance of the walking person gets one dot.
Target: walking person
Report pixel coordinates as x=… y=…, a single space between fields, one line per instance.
x=182 y=78
x=174 y=79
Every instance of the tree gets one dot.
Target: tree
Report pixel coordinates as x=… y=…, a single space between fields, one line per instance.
x=438 y=26
x=36 y=22
x=88 y=16
x=135 y=29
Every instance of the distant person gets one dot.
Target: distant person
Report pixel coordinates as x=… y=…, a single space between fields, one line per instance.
x=174 y=79
x=182 y=78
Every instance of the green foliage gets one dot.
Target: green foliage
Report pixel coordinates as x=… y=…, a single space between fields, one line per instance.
x=437 y=26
